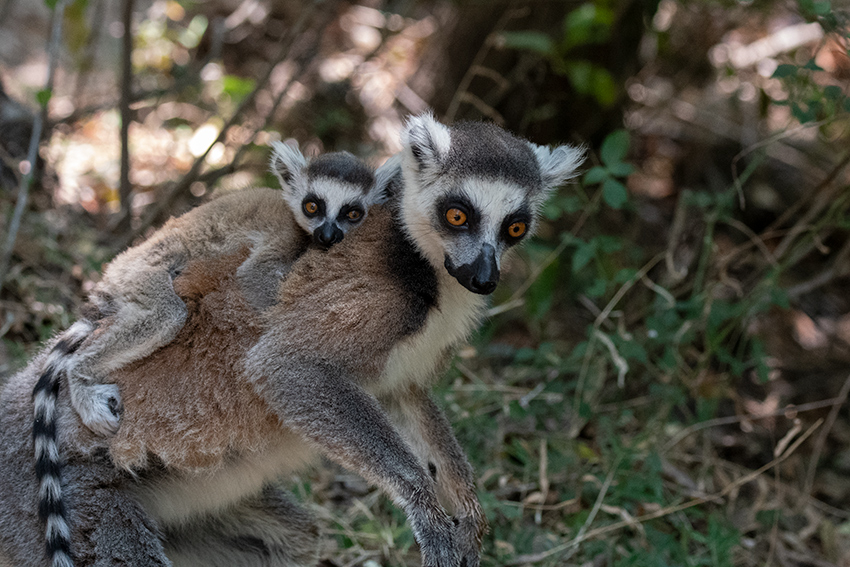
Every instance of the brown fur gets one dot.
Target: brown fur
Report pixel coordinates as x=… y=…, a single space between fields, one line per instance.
x=185 y=404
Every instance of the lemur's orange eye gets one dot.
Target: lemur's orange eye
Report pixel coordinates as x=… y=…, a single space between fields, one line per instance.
x=456 y=217
x=354 y=215
x=311 y=208
x=517 y=229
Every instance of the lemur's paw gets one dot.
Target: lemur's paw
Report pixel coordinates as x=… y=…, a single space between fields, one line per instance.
x=99 y=406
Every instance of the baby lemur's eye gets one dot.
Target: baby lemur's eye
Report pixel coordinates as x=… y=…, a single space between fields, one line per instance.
x=456 y=217
x=311 y=208
x=516 y=229
x=354 y=215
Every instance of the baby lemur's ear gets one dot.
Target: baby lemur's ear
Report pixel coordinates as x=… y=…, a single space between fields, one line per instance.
x=426 y=145
x=287 y=164
x=388 y=181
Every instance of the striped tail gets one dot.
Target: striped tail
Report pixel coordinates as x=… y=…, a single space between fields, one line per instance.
x=48 y=462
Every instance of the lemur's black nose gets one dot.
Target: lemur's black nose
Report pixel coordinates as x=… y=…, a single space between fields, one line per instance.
x=483 y=287
x=327 y=235
x=479 y=276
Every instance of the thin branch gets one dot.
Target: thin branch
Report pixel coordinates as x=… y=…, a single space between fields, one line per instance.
x=96 y=26
x=822 y=199
x=124 y=187
x=837 y=269
x=26 y=181
x=477 y=63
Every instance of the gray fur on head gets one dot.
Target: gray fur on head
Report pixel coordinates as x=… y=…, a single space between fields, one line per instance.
x=481 y=149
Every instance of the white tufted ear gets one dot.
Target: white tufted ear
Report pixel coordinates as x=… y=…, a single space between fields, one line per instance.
x=287 y=164
x=557 y=165
x=387 y=179
x=426 y=143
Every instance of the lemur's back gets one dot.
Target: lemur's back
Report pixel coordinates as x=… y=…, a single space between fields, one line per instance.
x=184 y=403
x=221 y=226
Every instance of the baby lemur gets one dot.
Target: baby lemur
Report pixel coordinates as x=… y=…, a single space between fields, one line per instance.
x=339 y=364
x=134 y=309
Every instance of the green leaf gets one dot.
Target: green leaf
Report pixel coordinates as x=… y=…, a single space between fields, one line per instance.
x=625 y=275
x=529 y=40
x=614 y=147
x=560 y=204
x=587 y=24
x=833 y=92
x=847 y=104
x=801 y=114
x=621 y=169
x=583 y=255
x=608 y=244
x=51 y=3
x=237 y=87
x=784 y=70
x=604 y=87
x=596 y=175
x=597 y=288
x=580 y=74
x=43 y=97
x=822 y=8
x=614 y=193
x=812 y=66
x=632 y=350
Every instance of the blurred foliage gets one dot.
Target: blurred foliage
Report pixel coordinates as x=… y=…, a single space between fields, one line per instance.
x=653 y=357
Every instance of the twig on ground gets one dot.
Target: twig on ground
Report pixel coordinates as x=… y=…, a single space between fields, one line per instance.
x=820 y=442
x=544 y=479
x=716 y=422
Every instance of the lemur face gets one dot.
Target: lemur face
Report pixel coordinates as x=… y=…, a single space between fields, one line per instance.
x=329 y=195
x=473 y=191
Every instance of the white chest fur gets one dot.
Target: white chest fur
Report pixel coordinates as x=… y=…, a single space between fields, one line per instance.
x=178 y=497
x=416 y=359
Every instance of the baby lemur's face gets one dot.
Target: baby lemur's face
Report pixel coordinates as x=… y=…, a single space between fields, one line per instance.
x=329 y=195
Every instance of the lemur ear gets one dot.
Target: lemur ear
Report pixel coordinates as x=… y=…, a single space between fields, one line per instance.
x=387 y=180
x=557 y=165
x=426 y=141
x=287 y=163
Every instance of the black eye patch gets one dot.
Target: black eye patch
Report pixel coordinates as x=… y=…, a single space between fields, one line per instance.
x=351 y=213
x=312 y=206
x=515 y=226
x=451 y=207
